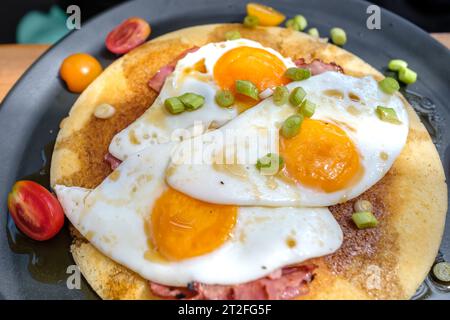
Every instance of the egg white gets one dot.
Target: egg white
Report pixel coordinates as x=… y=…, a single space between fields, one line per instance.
x=378 y=143
x=157 y=125
x=113 y=216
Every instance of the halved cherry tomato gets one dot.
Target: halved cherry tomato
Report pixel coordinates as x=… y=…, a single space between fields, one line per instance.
x=79 y=70
x=36 y=211
x=128 y=35
x=267 y=16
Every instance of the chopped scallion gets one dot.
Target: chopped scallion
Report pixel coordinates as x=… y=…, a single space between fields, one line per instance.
x=247 y=88
x=232 y=35
x=387 y=114
x=397 y=64
x=297 y=96
x=307 y=108
x=301 y=22
x=280 y=95
x=407 y=76
x=270 y=164
x=192 y=101
x=224 y=98
x=291 y=24
x=441 y=271
x=291 y=126
x=313 y=32
x=364 y=219
x=362 y=205
x=338 y=36
x=251 y=21
x=174 y=105
x=297 y=74
x=389 y=85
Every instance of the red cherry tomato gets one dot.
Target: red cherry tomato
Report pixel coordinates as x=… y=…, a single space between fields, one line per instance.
x=128 y=35
x=35 y=210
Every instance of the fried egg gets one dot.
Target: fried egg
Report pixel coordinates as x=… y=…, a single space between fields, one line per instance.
x=339 y=153
x=214 y=66
x=168 y=237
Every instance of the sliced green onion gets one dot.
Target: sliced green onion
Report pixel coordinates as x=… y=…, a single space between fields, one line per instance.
x=265 y=93
x=174 y=105
x=192 y=101
x=389 y=85
x=291 y=24
x=291 y=126
x=224 y=98
x=247 y=88
x=301 y=21
x=441 y=271
x=297 y=74
x=364 y=219
x=280 y=95
x=263 y=162
x=397 y=64
x=232 y=35
x=270 y=164
x=362 y=205
x=407 y=76
x=338 y=36
x=307 y=108
x=251 y=21
x=387 y=114
x=313 y=32
x=297 y=96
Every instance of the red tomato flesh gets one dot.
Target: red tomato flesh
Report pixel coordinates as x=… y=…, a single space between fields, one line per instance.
x=128 y=35
x=35 y=211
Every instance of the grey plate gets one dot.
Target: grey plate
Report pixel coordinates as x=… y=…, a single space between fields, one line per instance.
x=30 y=114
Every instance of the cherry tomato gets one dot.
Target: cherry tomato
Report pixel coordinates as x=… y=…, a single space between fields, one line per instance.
x=128 y=35
x=36 y=211
x=79 y=70
x=267 y=16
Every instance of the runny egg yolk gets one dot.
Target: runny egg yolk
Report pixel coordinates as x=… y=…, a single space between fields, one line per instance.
x=183 y=227
x=321 y=156
x=262 y=68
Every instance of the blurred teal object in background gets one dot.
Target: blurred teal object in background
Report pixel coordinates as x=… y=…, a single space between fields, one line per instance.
x=39 y=27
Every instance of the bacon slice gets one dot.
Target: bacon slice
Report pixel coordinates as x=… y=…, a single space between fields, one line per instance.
x=157 y=81
x=317 y=66
x=283 y=284
x=113 y=161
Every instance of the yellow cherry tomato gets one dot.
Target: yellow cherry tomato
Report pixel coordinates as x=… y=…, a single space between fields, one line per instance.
x=267 y=16
x=79 y=70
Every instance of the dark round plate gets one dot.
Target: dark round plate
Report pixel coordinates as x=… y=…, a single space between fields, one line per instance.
x=30 y=114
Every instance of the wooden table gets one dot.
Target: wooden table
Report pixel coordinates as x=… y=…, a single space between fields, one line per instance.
x=15 y=59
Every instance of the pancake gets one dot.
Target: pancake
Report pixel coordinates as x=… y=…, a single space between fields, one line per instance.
x=410 y=202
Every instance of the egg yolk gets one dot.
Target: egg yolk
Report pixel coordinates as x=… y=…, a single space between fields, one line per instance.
x=321 y=156
x=262 y=68
x=183 y=227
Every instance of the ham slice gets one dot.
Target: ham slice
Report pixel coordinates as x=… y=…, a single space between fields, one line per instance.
x=113 y=161
x=317 y=66
x=283 y=284
x=157 y=81
x=172 y=292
